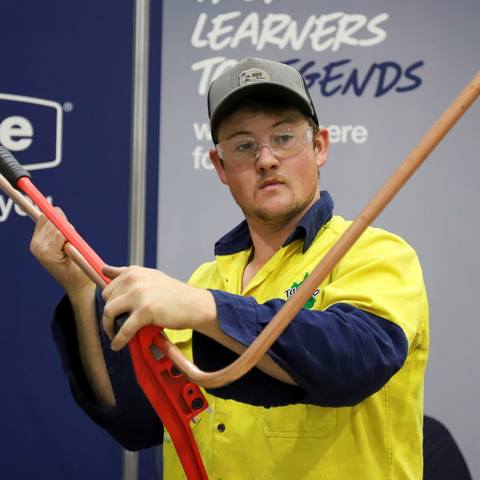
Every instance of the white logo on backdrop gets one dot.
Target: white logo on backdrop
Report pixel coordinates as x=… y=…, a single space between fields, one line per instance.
x=17 y=135
x=17 y=132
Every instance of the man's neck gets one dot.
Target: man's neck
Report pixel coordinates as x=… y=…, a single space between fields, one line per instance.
x=267 y=240
x=265 y=245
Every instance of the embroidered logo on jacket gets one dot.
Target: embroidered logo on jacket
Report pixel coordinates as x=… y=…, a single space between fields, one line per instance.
x=290 y=291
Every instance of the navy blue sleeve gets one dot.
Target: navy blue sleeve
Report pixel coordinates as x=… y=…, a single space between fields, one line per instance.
x=255 y=388
x=337 y=357
x=133 y=422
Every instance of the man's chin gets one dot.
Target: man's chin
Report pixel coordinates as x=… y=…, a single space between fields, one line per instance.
x=277 y=215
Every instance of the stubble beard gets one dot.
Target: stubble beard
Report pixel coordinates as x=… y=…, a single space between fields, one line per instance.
x=282 y=215
x=279 y=217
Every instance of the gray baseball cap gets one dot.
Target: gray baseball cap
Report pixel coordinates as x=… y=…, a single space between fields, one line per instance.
x=256 y=75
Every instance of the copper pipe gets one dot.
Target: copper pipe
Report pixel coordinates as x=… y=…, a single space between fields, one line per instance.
x=285 y=315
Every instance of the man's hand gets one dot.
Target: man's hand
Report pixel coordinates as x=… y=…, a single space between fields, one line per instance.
x=153 y=298
x=47 y=246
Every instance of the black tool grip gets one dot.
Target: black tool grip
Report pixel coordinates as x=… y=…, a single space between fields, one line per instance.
x=10 y=168
x=120 y=320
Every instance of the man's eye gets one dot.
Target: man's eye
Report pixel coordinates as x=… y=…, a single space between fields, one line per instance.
x=282 y=139
x=244 y=147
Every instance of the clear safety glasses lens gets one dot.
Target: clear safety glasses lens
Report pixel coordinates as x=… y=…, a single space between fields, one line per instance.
x=283 y=143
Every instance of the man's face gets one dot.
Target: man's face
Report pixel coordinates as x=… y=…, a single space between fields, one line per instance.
x=272 y=191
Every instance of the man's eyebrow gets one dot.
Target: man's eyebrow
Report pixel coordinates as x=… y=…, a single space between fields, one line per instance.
x=281 y=122
x=251 y=134
x=241 y=132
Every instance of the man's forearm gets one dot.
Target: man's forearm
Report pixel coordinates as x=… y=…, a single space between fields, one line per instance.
x=83 y=305
x=211 y=328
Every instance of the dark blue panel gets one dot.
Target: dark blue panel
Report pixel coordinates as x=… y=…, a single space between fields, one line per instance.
x=77 y=55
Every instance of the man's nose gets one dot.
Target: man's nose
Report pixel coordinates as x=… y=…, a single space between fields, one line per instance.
x=266 y=159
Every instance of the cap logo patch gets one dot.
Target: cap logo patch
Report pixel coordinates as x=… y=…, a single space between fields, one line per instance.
x=254 y=75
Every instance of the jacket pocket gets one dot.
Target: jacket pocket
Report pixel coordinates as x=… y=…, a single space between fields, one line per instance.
x=299 y=421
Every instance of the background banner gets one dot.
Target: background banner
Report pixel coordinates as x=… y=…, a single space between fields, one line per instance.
x=380 y=74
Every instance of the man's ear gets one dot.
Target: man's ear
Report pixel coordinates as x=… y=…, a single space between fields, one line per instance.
x=322 y=144
x=217 y=163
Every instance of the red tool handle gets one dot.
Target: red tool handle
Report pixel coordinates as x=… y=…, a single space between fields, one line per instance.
x=175 y=399
x=25 y=185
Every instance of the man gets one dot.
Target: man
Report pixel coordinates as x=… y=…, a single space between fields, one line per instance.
x=340 y=393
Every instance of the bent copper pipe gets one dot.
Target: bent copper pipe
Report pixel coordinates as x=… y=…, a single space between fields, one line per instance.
x=285 y=315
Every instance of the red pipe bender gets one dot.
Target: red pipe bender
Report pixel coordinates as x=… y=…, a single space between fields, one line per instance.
x=175 y=399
